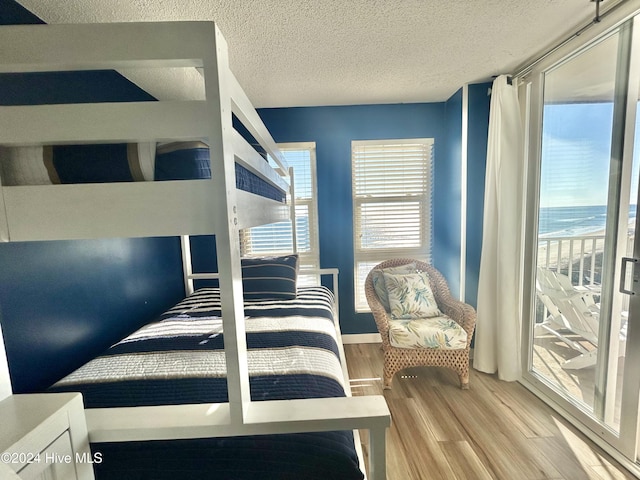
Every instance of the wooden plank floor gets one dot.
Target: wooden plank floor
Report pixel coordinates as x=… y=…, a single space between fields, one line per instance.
x=494 y=430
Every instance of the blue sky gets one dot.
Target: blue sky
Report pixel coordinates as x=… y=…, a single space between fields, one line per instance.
x=576 y=148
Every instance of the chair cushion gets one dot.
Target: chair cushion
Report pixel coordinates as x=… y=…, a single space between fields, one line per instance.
x=410 y=296
x=434 y=332
x=377 y=276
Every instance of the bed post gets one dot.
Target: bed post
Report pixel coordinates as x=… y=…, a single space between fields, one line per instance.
x=218 y=94
x=377 y=453
x=187 y=267
x=4 y=224
x=294 y=227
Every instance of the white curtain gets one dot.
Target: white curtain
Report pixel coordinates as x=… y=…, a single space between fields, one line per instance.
x=498 y=327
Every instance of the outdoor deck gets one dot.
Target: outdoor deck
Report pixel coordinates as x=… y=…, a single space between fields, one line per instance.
x=580 y=259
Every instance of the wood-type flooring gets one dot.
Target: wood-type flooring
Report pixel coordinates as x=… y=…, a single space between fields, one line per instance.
x=495 y=430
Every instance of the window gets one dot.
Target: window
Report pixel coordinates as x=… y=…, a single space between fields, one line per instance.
x=391 y=204
x=277 y=238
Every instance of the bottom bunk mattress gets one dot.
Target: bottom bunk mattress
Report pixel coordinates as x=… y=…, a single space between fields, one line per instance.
x=292 y=354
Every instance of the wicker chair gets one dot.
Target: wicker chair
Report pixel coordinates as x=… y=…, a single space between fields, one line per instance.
x=396 y=359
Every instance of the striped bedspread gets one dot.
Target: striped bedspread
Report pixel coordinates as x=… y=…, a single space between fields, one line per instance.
x=292 y=353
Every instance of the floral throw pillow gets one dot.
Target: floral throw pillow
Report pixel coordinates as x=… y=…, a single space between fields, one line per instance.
x=379 y=284
x=410 y=296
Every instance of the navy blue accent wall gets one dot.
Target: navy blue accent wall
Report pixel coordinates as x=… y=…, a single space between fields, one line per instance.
x=478 y=129
x=69 y=87
x=333 y=129
x=62 y=303
x=61 y=87
x=449 y=190
x=12 y=13
x=204 y=258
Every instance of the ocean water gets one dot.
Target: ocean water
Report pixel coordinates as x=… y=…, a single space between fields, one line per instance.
x=574 y=221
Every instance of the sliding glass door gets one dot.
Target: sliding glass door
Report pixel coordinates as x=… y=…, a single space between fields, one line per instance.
x=579 y=313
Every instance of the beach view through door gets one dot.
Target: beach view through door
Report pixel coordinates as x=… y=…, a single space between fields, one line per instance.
x=586 y=224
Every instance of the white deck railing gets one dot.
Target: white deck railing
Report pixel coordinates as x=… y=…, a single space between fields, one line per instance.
x=577 y=257
x=568 y=254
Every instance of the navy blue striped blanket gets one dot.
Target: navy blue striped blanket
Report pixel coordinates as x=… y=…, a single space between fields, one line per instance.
x=292 y=354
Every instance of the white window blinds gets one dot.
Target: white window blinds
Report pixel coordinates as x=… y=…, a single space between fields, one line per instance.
x=392 y=204
x=276 y=239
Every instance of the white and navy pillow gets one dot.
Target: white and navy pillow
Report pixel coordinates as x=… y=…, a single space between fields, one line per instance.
x=91 y=163
x=270 y=277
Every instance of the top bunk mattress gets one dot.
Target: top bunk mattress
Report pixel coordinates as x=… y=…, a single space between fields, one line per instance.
x=121 y=162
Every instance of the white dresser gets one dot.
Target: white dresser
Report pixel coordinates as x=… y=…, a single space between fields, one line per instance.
x=44 y=437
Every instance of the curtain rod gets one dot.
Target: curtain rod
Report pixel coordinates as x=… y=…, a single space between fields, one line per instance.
x=599 y=16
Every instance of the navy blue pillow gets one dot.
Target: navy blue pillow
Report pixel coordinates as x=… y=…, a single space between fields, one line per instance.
x=270 y=277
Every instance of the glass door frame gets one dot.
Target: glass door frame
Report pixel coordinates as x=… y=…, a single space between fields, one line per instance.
x=531 y=92
x=627 y=442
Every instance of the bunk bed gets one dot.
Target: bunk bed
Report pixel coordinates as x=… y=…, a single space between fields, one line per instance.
x=169 y=208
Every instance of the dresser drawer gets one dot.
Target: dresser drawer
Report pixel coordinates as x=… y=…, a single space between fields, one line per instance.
x=44 y=437
x=56 y=462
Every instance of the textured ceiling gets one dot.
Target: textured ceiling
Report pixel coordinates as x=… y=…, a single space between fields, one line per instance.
x=344 y=52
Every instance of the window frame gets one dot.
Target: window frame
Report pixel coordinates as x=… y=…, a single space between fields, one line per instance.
x=308 y=260
x=366 y=258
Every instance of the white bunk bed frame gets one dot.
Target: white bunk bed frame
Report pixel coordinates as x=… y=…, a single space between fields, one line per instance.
x=171 y=208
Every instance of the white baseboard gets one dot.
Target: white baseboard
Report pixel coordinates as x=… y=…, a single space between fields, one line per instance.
x=361 y=338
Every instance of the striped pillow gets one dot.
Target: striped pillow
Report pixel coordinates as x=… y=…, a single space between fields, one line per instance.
x=270 y=277
x=90 y=163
